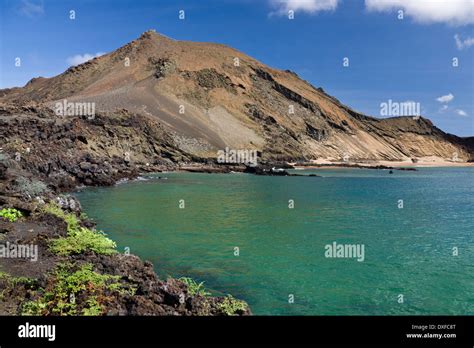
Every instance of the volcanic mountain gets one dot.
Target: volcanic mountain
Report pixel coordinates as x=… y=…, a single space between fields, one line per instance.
x=205 y=97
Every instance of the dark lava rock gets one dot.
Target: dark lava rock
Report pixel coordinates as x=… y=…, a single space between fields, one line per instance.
x=266 y=170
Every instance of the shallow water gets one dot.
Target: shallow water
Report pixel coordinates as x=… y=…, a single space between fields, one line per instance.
x=408 y=251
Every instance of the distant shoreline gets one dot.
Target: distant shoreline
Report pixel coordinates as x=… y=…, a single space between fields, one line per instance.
x=323 y=164
x=382 y=164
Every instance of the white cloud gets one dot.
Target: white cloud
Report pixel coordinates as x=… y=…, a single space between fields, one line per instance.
x=454 y=12
x=443 y=109
x=31 y=9
x=445 y=98
x=466 y=43
x=79 y=59
x=461 y=112
x=309 y=6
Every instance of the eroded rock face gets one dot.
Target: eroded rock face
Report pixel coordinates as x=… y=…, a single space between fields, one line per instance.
x=162 y=67
x=3 y=171
x=67 y=152
x=210 y=78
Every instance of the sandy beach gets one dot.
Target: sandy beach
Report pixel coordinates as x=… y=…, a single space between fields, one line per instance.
x=431 y=161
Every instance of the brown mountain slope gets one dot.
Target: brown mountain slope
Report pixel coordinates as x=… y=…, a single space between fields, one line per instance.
x=209 y=96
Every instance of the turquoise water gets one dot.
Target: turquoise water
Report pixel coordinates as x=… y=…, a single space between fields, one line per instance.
x=408 y=251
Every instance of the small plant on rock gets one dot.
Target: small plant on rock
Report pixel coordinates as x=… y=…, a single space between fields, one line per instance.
x=81 y=240
x=78 y=239
x=74 y=292
x=232 y=306
x=11 y=214
x=194 y=288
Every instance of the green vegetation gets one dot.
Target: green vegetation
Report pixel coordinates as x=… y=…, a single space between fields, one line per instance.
x=194 y=288
x=93 y=307
x=15 y=280
x=9 y=282
x=71 y=219
x=11 y=214
x=232 y=306
x=82 y=240
x=79 y=292
x=78 y=239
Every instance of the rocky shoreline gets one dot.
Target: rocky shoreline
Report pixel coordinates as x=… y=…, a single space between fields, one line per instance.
x=129 y=285
x=77 y=270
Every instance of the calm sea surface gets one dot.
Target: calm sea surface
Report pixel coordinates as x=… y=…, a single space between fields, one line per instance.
x=281 y=251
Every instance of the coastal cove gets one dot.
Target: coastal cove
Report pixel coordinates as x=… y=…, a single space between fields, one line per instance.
x=281 y=250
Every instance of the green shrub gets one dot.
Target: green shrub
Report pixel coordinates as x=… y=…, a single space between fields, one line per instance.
x=194 y=288
x=71 y=219
x=232 y=306
x=82 y=240
x=11 y=214
x=67 y=288
x=93 y=307
x=14 y=281
x=78 y=239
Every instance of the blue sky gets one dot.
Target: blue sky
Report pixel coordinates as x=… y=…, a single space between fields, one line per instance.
x=407 y=59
